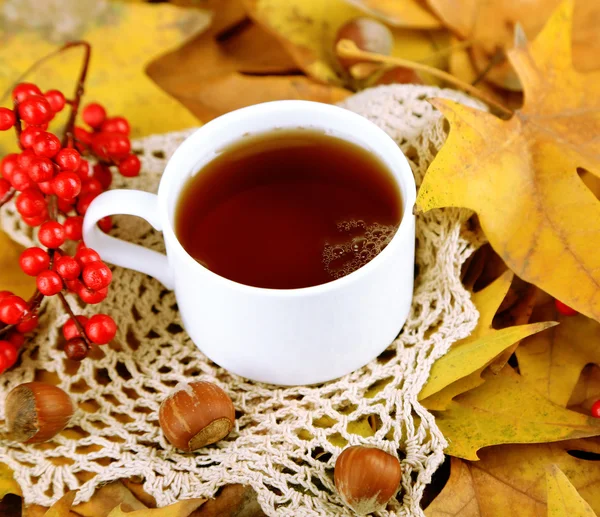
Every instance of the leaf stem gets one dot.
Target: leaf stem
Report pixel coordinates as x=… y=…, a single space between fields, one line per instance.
x=347 y=48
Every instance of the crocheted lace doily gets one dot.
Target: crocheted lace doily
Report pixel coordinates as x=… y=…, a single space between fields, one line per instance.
x=286 y=440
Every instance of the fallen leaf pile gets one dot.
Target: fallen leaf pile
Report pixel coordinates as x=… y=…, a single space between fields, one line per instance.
x=514 y=398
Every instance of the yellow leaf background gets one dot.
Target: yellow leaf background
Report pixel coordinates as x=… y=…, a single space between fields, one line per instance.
x=261 y=47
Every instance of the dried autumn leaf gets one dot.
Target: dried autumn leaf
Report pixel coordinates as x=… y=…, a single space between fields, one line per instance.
x=124 y=37
x=308 y=28
x=407 y=13
x=510 y=480
x=105 y=499
x=563 y=499
x=8 y=485
x=490 y=26
x=483 y=345
x=552 y=362
x=208 y=74
x=180 y=509
x=586 y=391
x=63 y=506
x=520 y=175
x=506 y=409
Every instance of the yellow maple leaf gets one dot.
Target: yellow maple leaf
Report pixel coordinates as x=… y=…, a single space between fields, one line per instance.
x=509 y=480
x=490 y=26
x=482 y=346
x=124 y=37
x=554 y=360
x=506 y=409
x=563 y=499
x=520 y=175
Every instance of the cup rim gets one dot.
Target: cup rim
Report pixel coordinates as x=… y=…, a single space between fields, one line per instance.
x=322 y=110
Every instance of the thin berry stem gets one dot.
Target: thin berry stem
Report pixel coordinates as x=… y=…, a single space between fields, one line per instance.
x=7 y=197
x=79 y=90
x=71 y=314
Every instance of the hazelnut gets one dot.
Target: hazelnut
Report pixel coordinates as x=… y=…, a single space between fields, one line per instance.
x=368 y=35
x=196 y=414
x=366 y=478
x=37 y=411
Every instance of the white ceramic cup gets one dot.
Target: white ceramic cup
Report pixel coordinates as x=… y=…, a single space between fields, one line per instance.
x=280 y=336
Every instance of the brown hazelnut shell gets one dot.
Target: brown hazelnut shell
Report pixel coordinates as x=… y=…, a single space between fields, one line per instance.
x=37 y=411
x=196 y=414
x=366 y=478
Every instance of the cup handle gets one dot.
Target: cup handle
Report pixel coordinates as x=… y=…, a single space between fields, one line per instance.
x=122 y=253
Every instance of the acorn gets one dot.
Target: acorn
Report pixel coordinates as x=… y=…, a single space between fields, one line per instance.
x=37 y=411
x=196 y=414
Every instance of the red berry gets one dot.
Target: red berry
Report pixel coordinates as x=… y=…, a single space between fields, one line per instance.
x=51 y=234
x=595 y=411
x=84 y=203
x=96 y=275
x=83 y=137
x=5 y=294
x=130 y=166
x=28 y=136
x=103 y=174
x=65 y=205
x=68 y=159
x=76 y=349
x=46 y=144
x=34 y=260
x=84 y=171
x=91 y=186
x=564 y=309
x=114 y=146
x=90 y=296
x=21 y=181
x=74 y=285
x=16 y=338
x=24 y=90
x=56 y=100
x=41 y=169
x=93 y=115
x=81 y=246
x=67 y=185
x=105 y=224
x=35 y=110
x=28 y=323
x=8 y=165
x=116 y=125
x=5 y=187
x=9 y=352
x=86 y=256
x=37 y=220
x=7 y=119
x=70 y=330
x=49 y=283
x=12 y=309
x=26 y=158
x=31 y=202
x=46 y=188
x=73 y=227
x=68 y=268
x=100 y=329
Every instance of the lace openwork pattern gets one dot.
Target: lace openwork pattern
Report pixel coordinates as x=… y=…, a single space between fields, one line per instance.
x=286 y=440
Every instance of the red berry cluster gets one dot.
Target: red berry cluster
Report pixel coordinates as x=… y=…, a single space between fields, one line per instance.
x=54 y=185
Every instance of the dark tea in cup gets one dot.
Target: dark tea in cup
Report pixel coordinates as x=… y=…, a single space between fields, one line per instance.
x=288 y=209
